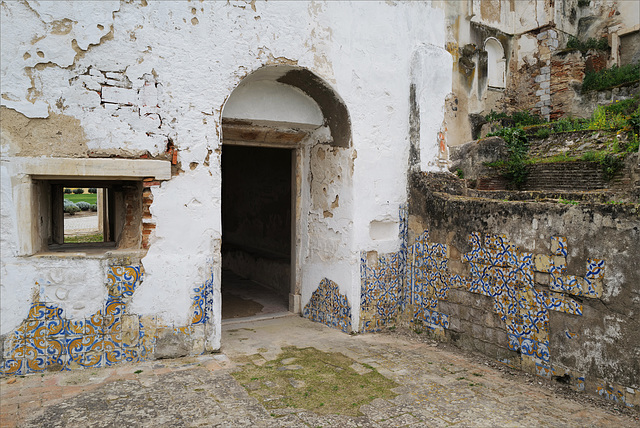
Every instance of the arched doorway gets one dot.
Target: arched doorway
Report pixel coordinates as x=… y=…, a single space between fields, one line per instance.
x=270 y=122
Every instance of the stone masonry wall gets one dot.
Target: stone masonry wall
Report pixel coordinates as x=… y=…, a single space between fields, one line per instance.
x=548 y=288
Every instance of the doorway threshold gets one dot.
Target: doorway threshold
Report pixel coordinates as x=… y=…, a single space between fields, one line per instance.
x=259 y=318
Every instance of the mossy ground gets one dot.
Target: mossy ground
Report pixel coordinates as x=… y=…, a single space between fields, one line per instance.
x=78 y=239
x=306 y=378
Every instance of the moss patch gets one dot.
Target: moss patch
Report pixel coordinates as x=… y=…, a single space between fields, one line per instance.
x=324 y=383
x=78 y=239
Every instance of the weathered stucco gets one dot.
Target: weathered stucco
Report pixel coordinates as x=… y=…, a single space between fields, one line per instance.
x=149 y=80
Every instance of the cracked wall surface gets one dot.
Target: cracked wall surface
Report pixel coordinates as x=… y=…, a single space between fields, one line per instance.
x=148 y=80
x=52 y=339
x=538 y=306
x=530 y=31
x=549 y=289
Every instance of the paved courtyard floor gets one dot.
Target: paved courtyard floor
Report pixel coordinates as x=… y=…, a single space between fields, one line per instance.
x=436 y=388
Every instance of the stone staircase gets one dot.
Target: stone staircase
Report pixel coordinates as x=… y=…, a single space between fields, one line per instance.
x=565 y=176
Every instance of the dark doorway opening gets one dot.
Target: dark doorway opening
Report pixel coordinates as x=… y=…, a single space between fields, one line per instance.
x=256 y=230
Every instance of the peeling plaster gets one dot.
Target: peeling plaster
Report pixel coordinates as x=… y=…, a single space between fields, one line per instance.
x=42 y=32
x=129 y=79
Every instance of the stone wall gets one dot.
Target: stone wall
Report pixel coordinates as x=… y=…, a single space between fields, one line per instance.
x=548 y=288
x=567 y=99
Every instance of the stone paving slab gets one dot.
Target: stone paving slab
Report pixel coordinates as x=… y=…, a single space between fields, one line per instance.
x=84 y=223
x=434 y=388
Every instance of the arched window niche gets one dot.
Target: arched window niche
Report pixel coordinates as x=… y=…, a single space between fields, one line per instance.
x=496 y=63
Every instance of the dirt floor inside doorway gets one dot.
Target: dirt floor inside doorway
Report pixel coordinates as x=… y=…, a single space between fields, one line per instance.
x=244 y=298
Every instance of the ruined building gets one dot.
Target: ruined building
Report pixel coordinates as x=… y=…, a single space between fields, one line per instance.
x=289 y=142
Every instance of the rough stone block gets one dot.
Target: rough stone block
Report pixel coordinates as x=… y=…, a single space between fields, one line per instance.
x=454 y=323
x=491 y=320
x=463 y=312
x=500 y=337
x=171 y=344
x=542 y=278
x=477 y=315
x=478 y=331
x=465 y=326
x=489 y=336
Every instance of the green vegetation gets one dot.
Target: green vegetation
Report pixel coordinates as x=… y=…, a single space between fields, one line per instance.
x=90 y=198
x=515 y=168
x=81 y=239
x=517 y=119
x=69 y=207
x=568 y=202
x=324 y=383
x=543 y=133
x=600 y=44
x=610 y=77
x=84 y=206
x=621 y=116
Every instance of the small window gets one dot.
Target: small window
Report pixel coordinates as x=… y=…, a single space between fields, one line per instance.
x=89 y=214
x=85 y=212
x=496 y=63
x=122 y=194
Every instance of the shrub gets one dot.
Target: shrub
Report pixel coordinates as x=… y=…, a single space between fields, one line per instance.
x=84 y=206
x=519 y=118
x=610 y=77
x=67 y=191
x=589 y=156
x=604 y=119
x=543 y=133
x=93 y=190
x=524 y=118
x=611 y=164
x=515 y=169
x=93 y=207
x=600 y=44
x=568 y=124
x=70 y=208
x=78 y=191
x=495 y=116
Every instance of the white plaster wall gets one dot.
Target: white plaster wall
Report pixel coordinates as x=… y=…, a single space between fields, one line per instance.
x=513 y=17
x=432 y=85
x=184 y=248
x=268 y=100
x=527 y=48
x=175 y=64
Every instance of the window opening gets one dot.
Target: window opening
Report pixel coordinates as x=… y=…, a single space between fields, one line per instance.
x=84 y=214
x=496 y=63
x=90 y=213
